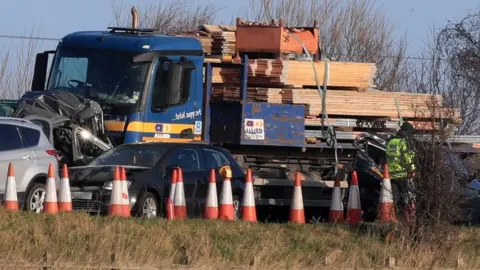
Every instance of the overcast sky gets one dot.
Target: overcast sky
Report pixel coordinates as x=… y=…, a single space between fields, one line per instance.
x=56 y=18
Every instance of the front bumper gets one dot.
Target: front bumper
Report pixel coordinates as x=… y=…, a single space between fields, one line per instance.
x=96 y=200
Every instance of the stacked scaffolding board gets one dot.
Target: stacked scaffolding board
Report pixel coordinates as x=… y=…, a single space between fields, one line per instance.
x=352 y=102
x=222 y=40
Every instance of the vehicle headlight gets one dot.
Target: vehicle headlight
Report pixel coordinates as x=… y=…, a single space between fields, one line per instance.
x=109 y=185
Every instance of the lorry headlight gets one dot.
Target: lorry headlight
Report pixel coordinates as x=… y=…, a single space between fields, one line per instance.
x=109 y=185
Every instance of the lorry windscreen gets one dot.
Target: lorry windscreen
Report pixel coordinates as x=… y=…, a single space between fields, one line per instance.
x=107 y=76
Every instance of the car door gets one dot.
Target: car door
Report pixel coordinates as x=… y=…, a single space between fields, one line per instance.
x=12 y=150
x=190 y=160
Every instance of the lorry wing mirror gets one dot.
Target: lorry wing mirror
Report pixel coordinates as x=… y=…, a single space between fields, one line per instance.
x=40 y=70
x=178 y=74
x=175 y=77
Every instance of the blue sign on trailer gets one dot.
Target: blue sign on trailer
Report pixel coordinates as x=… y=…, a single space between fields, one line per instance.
x=273 y=124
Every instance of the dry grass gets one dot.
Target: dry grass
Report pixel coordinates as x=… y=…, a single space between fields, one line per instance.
x=85 y=240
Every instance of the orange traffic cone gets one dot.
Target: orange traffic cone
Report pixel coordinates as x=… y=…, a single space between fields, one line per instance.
x=297 y=213
x=11 y=197
x=50 y=205
x=211 y=206
x=125 y=194
x=65 y=198
x=118 y=198
x=180 y=208
x=249 y=212
x=169 y=201
x=336 y=206
x=226 y=211
x=386 y=211
x=354 y=209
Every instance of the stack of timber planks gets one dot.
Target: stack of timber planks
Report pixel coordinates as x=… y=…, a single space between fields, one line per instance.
x=344 y=103
x=351 y=94
x=222 y=39
x=291 y=73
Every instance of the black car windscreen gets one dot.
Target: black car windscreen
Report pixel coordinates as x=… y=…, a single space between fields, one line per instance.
x=145 y=156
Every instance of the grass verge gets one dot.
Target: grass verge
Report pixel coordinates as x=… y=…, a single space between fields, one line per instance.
x=85 y=240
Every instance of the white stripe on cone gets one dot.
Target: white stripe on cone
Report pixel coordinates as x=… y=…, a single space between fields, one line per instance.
x=50 y=205
x=386 y=191
x=354 y=208
x=211 y=207
x=336 y=202
x=172 y=191
x=297 y=213
x=65 y=197
x=226 y=209
x=297 y=203
x=11 y=189
x=51 y=191
x=212 y=199
x=354 y=198
x=117 y=190
x=179 y=198
x=226 y=195
x=125 y=197
x=180 y=208
x=248 y=198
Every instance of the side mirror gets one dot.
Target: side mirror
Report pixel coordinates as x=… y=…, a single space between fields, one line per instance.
x=40 y=70
x=174 y=82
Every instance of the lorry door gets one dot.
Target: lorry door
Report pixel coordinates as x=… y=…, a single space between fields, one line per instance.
x=189 y=158
x=174 y=106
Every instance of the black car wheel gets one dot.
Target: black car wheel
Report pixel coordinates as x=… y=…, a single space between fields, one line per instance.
x=35 y=198
x=148 y=206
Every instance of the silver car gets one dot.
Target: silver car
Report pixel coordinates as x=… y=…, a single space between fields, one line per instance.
x=25 y=145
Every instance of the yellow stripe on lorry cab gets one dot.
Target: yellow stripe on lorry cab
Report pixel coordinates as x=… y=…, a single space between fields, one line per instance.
x=175 y=140
x=148 y=127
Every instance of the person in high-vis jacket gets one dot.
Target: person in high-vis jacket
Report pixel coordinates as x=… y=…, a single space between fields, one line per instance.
x=401 y=165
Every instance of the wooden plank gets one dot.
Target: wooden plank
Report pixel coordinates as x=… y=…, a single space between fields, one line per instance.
x=345 y=103
x=274 y=72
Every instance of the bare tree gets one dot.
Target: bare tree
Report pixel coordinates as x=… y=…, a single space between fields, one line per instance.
x=451 y=67
x=173 y=16
x=351 y=30
x=16 y=67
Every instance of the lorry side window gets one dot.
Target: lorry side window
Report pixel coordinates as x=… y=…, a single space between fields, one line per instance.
x=160 y=93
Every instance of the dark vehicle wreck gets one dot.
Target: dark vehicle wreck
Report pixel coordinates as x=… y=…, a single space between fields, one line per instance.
x=73 y=124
